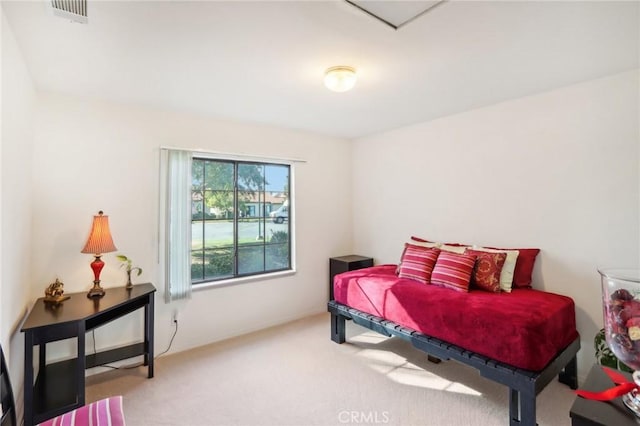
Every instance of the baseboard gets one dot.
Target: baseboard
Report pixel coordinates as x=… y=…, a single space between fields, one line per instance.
x=248 y=330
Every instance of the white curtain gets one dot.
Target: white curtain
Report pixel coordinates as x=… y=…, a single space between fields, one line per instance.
x=177 y=224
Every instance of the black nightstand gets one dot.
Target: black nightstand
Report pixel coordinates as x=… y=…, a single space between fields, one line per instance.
x=338 y=265
x=585 y=412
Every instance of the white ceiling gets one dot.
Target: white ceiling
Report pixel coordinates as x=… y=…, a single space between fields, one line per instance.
x=264 y=61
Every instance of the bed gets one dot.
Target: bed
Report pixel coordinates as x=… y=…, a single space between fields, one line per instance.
x=521 y=339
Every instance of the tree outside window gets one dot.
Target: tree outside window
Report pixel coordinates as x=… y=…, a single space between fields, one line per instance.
x=240 y=219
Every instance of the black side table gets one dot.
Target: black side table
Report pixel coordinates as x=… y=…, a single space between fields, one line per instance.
x=338 y=265
x=60 y=386
x=585 y=412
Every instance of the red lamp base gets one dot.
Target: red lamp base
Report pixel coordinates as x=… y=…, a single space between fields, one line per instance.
x=96 y=290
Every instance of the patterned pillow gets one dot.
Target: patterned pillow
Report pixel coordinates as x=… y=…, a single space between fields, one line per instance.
x=453 y=270
x=506 y=275
x=417 y=263
x=486 y=272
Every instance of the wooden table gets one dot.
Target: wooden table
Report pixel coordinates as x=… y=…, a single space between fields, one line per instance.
x=585 y=412
x=59 y=386
x=338 y=265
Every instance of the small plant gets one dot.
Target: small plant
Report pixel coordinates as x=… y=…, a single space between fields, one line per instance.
x=604 y=355
x=128 y=264
x=279 y=236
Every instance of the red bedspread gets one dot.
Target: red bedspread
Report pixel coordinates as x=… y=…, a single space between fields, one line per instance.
x=525 y=328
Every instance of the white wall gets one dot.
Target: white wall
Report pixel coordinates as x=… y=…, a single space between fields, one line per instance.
x=557 y=171
x=92 y=156
x=18 y=97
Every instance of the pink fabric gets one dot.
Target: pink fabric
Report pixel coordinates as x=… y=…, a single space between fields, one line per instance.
x=525 y=328
x=106 y=412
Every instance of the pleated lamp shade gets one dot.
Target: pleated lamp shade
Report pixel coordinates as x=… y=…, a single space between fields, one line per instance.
x=99 y=240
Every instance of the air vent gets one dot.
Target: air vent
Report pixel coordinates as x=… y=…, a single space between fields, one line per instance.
x=75 y=10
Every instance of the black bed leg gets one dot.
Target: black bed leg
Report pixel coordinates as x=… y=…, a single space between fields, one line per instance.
x=522 y=409
x=337 y=328
x=434 y=359
x=569 y=376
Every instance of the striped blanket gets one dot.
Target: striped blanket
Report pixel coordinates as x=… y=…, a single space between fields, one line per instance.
x=106 y=412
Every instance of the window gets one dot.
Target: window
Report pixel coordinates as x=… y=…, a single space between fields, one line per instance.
x=240 y=215
x=221 y=219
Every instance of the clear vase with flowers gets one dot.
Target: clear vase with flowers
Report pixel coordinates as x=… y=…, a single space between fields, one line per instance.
x=621 y=308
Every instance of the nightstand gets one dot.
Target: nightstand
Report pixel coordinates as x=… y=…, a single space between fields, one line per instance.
x=338 y=265
x=585 y=412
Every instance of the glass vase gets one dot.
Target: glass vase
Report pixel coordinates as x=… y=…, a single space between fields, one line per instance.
x=621 y=308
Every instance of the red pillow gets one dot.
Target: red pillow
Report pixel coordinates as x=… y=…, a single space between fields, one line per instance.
x=524 y=266
x=453 y=270
x=486 y=272
x=417 y=263
x=422 y=240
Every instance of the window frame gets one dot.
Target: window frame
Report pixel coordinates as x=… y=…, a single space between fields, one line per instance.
x=238 y=278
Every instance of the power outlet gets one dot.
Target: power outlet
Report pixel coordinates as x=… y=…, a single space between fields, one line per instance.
x=174 y=317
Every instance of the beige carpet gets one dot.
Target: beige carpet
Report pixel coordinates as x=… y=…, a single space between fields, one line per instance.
x=295 y=375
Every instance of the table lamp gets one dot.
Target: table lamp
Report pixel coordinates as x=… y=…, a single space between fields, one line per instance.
x=98 y=243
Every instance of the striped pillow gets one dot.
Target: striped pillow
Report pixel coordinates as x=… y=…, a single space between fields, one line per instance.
x=417 y=263
x=106 y=412
x=453 y=270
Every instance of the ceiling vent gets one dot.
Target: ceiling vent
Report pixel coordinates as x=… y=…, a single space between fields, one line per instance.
x=75 y=10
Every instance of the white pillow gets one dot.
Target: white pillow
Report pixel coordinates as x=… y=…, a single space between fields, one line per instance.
x=453 y=249
x=506 y=275
x=428 y=244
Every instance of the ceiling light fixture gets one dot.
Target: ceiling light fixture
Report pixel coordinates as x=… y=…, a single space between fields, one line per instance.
x=340 y=78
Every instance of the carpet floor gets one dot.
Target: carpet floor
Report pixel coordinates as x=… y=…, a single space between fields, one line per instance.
x=295 y=375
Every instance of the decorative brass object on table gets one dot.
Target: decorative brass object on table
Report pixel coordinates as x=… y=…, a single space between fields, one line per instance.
x=55 y=292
